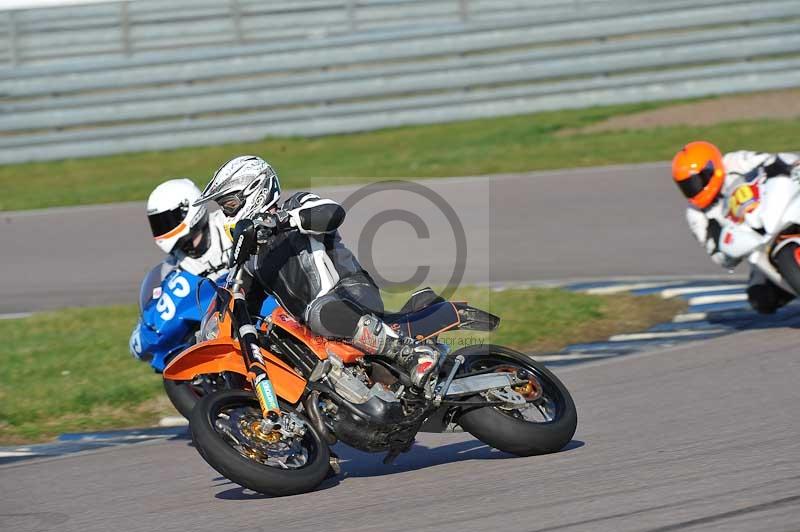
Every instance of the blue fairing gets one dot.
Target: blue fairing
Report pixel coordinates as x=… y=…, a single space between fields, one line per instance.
x=170 y=314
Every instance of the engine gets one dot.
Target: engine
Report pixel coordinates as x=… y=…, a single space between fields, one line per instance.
x=375 y=419
x=352 y=384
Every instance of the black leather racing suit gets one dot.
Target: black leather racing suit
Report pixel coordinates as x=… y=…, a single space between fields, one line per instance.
x=311 y=273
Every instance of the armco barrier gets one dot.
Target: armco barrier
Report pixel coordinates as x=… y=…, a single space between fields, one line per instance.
x=194 y=73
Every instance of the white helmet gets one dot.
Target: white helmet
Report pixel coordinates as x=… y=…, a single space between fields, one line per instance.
x=177 y=223
x=243 y=187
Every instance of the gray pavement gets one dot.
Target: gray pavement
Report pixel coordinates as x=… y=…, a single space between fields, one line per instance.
x=583 y=223
x=700 y=437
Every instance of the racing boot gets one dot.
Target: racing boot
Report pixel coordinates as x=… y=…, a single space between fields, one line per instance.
x=374 y=337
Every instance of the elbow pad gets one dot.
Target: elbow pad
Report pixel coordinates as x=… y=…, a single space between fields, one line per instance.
x=322 y=217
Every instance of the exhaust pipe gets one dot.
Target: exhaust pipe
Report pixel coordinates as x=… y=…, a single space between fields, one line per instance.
x=311 y=405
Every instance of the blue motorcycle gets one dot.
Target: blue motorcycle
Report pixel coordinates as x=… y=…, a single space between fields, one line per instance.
x=172 y=303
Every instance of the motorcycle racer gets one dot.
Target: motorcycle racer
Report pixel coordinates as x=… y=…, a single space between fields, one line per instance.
x=302 y=261
x=710 y=180
x=193 y=239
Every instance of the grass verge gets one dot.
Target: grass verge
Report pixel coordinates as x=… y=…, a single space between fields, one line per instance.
x=70 y=370
x=496 y=145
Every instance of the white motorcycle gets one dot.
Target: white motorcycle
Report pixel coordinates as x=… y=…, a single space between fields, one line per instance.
x=766 y=229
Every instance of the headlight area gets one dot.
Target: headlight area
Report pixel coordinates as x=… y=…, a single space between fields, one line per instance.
x=209 y=329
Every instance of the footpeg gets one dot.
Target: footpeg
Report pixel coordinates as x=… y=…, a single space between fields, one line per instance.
x=336 y=467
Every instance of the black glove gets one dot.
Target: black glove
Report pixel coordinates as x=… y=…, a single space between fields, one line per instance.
x=271 y=224
x=244 y=242
x=778 y=167
x=713 y=232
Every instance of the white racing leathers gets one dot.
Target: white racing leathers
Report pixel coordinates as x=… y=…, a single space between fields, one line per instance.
x=742 y=167
x=214 y=262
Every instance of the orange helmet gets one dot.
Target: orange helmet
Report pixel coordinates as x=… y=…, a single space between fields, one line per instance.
x=699 y=173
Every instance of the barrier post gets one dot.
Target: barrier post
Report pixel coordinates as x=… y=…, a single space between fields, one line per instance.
x=351 y=14
x=125 y=28
x=463 y=10
x=236 y=18
x=13 y=39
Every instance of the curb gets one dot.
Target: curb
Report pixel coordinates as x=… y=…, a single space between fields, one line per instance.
x=717 y=307
x=71 y=443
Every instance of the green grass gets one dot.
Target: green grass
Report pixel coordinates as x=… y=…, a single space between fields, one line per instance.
x=543 y=320
x=71 y=371
x=496 y=145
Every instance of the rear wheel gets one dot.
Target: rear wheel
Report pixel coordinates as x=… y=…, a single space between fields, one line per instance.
x=185 y=394
x=228 y=433
x=787 y=260
x=544 y=422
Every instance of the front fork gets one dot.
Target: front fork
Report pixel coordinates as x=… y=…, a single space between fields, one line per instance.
x=256 y=366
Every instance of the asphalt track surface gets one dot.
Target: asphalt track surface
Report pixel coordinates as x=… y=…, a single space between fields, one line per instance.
x=700 y=437
x=584 y=223
x=703 y=436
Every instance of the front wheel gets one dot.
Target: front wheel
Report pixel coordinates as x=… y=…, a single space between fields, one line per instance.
x=544 y=424
x=228 y=432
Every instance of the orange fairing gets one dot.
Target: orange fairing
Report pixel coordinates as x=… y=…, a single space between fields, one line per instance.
x=213 y=356
x=222 y=354
x=319 y=345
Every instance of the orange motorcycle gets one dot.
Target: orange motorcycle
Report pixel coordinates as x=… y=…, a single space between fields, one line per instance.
x=305 y=393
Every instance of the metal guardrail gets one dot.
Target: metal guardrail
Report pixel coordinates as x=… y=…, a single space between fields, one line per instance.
x=329 y=91
x=530 y=17
x=421 y=70
x=406 y=62
x=126 y=27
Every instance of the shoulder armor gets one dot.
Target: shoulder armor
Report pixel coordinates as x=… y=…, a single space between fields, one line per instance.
x=297 y=199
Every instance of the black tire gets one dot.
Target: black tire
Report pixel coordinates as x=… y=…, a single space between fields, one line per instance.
x=261 y=478
x=788 y=267
x=510 y=434
x=182 y=395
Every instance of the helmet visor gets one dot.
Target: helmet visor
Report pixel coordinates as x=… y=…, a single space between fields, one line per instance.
x=231 y=203
x=163 y=222
x=697 y=182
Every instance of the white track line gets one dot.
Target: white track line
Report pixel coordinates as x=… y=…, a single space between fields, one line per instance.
x=571 y=356
x=617 y=288
x=690 y=316
x=673 y=292
x=722 y=298
x=173 y=421
x=13 y=454
x=15 y=315
x=662 y=335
